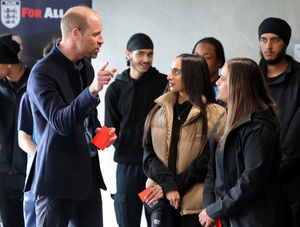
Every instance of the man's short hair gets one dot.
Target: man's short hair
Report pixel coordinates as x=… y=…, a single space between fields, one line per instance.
x=74 y=19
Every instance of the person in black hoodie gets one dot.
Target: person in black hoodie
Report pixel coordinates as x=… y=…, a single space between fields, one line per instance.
x=12 y=159
x=127 y=102
x=242 y=183
x=282 y=74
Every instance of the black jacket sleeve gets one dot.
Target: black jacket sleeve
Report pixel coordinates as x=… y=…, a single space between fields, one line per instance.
x=290 y=164
x=155 y=169
x=209 y=183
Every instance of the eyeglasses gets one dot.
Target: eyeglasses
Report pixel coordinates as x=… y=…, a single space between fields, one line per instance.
x=175 y=71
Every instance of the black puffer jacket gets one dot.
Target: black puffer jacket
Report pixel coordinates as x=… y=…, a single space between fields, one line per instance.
x=127 y=103
x=249 y=166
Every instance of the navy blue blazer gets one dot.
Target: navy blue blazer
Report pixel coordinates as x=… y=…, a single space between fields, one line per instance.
x=62 y=166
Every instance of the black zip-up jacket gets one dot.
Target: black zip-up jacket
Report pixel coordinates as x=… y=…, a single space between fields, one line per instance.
x=13 y=160
x=249 y=165
x=127 y=103
x=285 y=89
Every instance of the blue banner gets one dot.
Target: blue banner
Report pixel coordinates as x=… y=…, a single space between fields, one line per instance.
x=35 y=21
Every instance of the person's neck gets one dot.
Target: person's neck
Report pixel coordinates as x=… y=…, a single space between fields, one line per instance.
x=69 y=51
x=16 y=72
x=278 y=69
x=134 y=74
x=182 y=97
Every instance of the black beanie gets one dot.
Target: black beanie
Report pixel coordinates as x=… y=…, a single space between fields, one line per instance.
x=139 y=41
x=9 y=50
x=277 y=26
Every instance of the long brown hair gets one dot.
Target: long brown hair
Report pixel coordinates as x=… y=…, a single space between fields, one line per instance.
x=248 y=93
x=195 y=76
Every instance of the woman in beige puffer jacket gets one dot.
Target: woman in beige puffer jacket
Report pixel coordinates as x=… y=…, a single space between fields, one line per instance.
x=176 y=132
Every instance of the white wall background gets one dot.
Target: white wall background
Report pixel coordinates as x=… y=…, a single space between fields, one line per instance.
x=175 y=26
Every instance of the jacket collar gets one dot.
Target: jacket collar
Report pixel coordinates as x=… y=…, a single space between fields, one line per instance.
x=168 y=101
x=260 y=114
x=280 y=78
x=71 y=70
x=245 y=120
x=65 y=60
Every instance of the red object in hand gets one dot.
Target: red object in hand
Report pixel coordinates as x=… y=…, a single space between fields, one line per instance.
x=219 y=223
x=144 y=193
x=102 y=137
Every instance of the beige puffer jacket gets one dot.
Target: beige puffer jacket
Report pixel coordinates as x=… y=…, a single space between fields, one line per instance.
x=190 y=144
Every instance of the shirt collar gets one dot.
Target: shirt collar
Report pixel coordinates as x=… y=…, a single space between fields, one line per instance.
x=78 y=65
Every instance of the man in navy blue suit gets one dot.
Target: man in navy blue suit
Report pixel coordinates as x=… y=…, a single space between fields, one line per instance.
x=63 y=92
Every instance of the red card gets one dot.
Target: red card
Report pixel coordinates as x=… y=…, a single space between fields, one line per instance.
x=102 y=137
x=219 y=223
x=144 y=193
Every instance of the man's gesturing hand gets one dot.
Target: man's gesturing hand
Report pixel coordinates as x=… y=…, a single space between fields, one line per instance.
x=102 y=78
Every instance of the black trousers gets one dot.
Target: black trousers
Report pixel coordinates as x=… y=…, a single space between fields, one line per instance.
x=11 y=204
x=51 y=212
x=128 y=206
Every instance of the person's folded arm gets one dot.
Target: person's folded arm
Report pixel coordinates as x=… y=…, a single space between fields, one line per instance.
x=195 y=173
x=155 y=169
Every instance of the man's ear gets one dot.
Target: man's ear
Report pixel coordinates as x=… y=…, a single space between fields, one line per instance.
x=127 y=54
x=76 y=34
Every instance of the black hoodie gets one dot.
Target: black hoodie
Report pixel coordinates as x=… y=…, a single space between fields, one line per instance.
x=127 y=103
x=285 y=89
